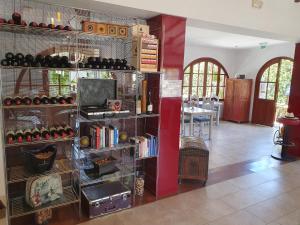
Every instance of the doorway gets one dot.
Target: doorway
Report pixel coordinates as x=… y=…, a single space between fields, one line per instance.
x=272 y=89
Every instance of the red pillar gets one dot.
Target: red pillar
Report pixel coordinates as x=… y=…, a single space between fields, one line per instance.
x=171 y=32
x=294 y=102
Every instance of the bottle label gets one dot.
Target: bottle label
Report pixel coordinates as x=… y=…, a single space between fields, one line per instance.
x=149 y=108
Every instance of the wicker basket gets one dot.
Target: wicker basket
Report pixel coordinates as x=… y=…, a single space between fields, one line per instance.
x=193 y=157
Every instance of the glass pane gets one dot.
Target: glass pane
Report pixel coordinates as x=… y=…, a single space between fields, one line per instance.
x=215 y=80
x=202 y=65
x=195 y=80
x=187 y=70
x=271 y=91
x=222 y=71
x=216 y=69
x=200 y=92
x=273 y=72
x=264 y=77
x=201 y=79
x=210 y=68
x=196 y=68
x=208 y=92
x=222 y=80
x=221 y=93
x=194 y=91
x=214 y=91
x=186 y=80
x=263 y=90
x=185 y=93
x=285 y=77
x=208 y=80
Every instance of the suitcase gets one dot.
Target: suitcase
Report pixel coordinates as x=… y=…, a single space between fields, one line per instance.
x=102 y=199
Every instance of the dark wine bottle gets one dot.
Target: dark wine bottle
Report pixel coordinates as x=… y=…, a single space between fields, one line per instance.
x=149 y=104
x=19 y=57
x=80 y=65
x=48 y=61
x=8 y=101
x=45 y=99
x=15 y=63
x=11 y=21
x=23 y=23
x=61 y=100
x=5 y=62
x=36 y=134
x=18 y=100
x=68 y=28
x=17 y=18
x=10 y=137
x=111 y=64
x=26 y=100
x=2 y=21
x=51 y=26
x=88 y=66
x=61 y=131
x=117 y=64
x=25 y=63
x=59 y=27
x=29 y=58
x=53 y=132
x=19 y=136
x=45 y=133
x=53 y=100
x=36 y=100
x=28 y=135
x=124 y=64
x=104 y=63
x=69 y=99
x=42 y=25
x=33 y=24
x=9 y=56
x=69 y=131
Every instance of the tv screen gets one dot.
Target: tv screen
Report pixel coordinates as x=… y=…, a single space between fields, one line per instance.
x=95 y=92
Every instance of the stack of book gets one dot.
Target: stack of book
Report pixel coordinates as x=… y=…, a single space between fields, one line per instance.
x=147 y=145
x=103 y=136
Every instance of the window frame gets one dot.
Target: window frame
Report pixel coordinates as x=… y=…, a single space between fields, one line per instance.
x=206 y=73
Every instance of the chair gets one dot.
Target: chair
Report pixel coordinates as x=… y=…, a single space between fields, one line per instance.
x=204 y=120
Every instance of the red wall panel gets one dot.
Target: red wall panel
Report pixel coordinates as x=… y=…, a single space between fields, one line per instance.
x=171 y=32
x=294 y=102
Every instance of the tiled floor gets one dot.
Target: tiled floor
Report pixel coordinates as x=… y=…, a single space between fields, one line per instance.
x=270 y=196
x=233 y=143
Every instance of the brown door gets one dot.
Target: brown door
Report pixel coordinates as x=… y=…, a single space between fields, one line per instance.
x=266 y=92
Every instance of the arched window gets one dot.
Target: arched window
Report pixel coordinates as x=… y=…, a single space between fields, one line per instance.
x=204 y=77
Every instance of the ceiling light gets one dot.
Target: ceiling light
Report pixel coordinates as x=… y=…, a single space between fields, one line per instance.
x=263 y=45
x=257 y=4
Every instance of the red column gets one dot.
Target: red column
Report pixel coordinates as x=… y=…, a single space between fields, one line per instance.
x=294 y=102
x=171 y=32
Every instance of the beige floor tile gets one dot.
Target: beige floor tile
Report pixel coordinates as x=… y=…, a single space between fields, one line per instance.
x=238 y=218
x=290 y=219
x=249 y=181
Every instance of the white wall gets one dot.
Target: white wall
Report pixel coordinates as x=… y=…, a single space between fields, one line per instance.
x=225 y=56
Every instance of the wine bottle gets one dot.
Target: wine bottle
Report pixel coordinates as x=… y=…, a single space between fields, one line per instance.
x=149 y=104
x=68 y=28
x=19 y=57
x=15 y=63
x=59 y=27
x=117 y=64
x=33 y=24
x=45 y=133
x=69 y=131
x=18 y=100
x=138 y=105
x=36 y=134
x=9 y=56
x=11 y=21
x=124 y=64
x=19 y=136
x=2 y=21
x=88 y=66
x=51 y=26
x=69 y=99
x=42 y=25
x=10 y=137
x=8 y=101
x=61 y=100
x=53 y=100
x=26 y=100
x=29 y=58
x=104 y=63
x=36 y=100
x=61 y=131
x=111 y=64
x=17 y=18
x=45 y=99
x=53 y=132
x=80 y=65
x=5 y=62
x=23 y=23
x=55 y=63
x=28 y=135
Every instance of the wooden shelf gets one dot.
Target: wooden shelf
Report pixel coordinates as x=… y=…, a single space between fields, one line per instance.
x=19 y=207
x=40 y=106
x=142 y=116
x=108 y=149
x=51 y=141
x=20 y=173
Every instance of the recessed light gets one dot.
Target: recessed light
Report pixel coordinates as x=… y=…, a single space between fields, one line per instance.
x=258 y=4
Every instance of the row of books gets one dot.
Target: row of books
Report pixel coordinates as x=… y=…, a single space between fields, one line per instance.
x=147 y=145
x=103 y=136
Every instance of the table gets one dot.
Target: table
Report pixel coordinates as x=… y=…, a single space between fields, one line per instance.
x=196 y=111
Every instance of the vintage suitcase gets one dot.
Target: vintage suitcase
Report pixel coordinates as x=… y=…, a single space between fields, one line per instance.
x=106 y=198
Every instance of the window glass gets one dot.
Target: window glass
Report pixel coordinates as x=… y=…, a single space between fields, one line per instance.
x=186 y=80
x=195 y=79
x=221 y=93
x=202 y=67
x=194 y=91
x=214 y=91
x=201 y=79
x=222 y=80
x=264 y=77
x=187 y=70
x=208 y=92
x=210 y=68
x=196 y=68
x=271 y=91
x=263 y=90
x=273 y=73
x=200 y=92
x=185 y=93
x=215 y=69
x=215 y=80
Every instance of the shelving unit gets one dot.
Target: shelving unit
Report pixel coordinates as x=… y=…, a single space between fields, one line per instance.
x=72 y=160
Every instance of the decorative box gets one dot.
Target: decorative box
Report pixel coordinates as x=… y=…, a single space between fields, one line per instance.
x=122 y=31
x=88 y=26
x=102 y=29
x=139 y=29
x=112 y=30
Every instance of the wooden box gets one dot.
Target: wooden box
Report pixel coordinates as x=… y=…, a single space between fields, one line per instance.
x=102 y=29
x=112 y=30
x=88 y=26
x=139 y=29
x=122 y=31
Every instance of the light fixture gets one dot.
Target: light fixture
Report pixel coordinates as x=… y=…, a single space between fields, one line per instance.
x=257 y=4
x=263 y=45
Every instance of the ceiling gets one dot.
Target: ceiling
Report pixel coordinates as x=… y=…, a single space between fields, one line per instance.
x=206 y=37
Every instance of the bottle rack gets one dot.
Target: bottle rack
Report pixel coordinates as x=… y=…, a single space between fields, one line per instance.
x=20 y=81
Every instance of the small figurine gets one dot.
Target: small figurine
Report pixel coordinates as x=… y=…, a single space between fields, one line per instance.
x=42 y=217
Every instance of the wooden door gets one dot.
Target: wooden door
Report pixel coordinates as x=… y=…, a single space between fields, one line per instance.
x=265 y=96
